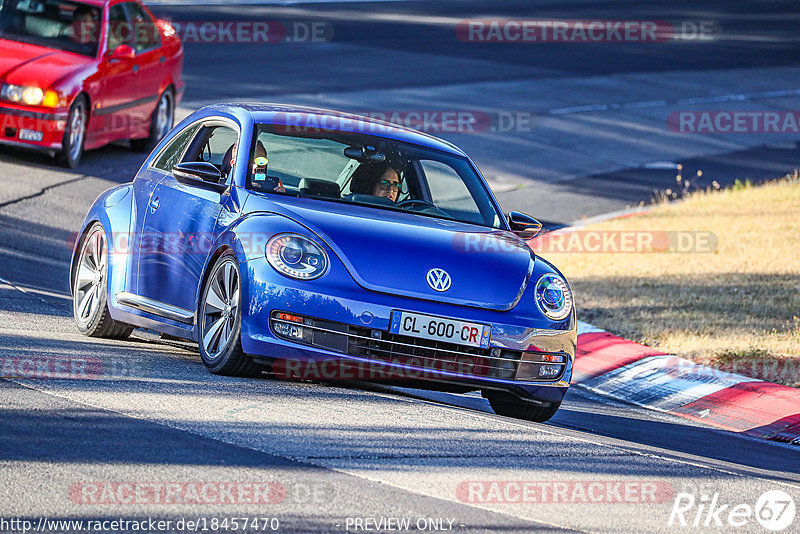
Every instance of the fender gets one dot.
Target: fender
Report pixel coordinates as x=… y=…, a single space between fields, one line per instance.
x=114 y=210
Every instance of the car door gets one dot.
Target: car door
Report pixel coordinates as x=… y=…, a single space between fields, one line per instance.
x=149 y=61
x=118 y=75
x=180 y=222
x=144 y=186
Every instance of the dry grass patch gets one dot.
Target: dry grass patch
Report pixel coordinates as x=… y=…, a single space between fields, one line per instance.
x=735 y=308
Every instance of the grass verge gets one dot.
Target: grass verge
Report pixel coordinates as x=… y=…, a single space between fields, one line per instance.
x=714 y=278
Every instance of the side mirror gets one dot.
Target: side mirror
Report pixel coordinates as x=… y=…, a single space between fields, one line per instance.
x=523 y=224
x=199 y=174
x=123 y=53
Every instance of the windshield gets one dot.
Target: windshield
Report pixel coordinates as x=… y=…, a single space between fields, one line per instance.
x=370 y=171
x=70 y=26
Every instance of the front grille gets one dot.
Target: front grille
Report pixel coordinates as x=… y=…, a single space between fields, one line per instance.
x=433 y=358
x=463 y=360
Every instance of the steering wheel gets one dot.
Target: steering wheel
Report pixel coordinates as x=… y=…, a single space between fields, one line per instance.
x=416 y=201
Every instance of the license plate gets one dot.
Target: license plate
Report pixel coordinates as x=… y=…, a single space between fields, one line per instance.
x=30 y=135
x=440 y=329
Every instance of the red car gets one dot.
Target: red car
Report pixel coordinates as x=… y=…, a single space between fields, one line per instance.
x=77 y=75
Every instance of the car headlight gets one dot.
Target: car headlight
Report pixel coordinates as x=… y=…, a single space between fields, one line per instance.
x=296 y=256
x=553 y=297
x=33 y=96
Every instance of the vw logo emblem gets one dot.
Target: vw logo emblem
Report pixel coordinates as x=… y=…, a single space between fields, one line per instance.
x=438 y=279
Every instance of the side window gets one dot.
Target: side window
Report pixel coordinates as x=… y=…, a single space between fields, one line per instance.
x=145 y=34
x=172 y=154
x=215 y=145
x=119 y=31
x=449 y=192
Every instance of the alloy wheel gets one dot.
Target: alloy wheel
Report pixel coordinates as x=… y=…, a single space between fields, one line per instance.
x=77 y=129
x=90 y=277
x=220 y=309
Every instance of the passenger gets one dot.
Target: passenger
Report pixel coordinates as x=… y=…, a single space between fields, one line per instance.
x=377 y=179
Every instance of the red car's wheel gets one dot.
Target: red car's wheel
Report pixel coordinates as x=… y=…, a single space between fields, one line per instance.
x=74 y=134
x=160 y=124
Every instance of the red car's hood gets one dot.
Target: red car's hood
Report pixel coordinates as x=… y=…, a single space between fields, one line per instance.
x=27 y=64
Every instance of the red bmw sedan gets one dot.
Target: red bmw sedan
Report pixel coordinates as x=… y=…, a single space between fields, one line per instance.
x=76 y=75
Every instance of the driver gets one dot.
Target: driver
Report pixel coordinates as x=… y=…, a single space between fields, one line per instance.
x=83 y=29
x=260 y=162
x=377 y=179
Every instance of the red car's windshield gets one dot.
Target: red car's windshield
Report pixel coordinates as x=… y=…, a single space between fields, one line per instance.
x=70 y=26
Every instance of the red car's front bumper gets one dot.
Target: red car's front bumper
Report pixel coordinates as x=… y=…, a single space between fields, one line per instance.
x=32 y=127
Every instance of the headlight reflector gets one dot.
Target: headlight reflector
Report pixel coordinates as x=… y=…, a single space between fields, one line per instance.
x=296 y=256
x=553 y=297
x=33 y=96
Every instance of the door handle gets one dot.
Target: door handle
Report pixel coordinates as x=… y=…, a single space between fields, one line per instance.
x=135 y=68
x=154 y=203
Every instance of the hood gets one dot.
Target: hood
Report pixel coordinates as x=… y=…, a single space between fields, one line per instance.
x=28 y=64
x=392 y=252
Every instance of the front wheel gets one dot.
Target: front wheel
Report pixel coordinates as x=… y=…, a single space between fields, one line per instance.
x=511 y=406
x=220 y=322
x=74 y=134
x=89 y=285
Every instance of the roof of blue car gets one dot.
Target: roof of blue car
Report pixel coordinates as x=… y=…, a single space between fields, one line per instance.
x=302 y=117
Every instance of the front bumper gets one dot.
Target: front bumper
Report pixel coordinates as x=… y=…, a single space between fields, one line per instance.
x=32 y=127
x=353 y=325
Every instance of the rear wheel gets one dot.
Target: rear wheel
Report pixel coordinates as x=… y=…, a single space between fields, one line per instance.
x=160 y=124
x=89 y=286
x=74 y=134
x=220 y=322
x=512 y=406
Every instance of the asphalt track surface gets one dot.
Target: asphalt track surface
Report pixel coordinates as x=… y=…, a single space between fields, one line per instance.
x=347 y=451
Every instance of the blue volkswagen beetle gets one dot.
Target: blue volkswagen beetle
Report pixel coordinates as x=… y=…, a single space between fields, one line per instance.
x=322 y=245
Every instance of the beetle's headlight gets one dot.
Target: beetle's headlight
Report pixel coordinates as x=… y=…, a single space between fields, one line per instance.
x=33 y=96
x=553 y=297
x=296 y=256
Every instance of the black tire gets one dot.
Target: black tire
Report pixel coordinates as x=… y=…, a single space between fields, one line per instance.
x=161 y=123
x=512 y=406
x=90 y=286
x=219 y=322
x=74 y=134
